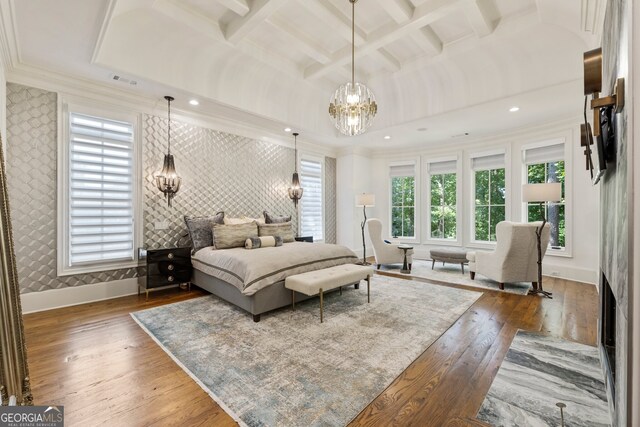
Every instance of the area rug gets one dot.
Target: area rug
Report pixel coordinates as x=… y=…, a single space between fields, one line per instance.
x=452 y=274
x=291 y=370
x=538 y=372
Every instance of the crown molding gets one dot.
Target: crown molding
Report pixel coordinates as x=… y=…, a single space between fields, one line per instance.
x=9 y=47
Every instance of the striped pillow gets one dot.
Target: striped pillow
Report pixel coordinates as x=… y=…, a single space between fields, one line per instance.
x=227 y=236
x=284 y=229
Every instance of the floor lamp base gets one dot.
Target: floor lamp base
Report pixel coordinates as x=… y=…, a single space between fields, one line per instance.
x=540 y=292
x=363 y=263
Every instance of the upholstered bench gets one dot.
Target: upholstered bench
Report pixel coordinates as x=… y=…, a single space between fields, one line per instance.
x=319 y=281
x=455 y=256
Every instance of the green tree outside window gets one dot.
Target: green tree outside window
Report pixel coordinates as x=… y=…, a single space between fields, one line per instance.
x=489 y=203
x=403 y=206
x=554 y=211
x=443 y=206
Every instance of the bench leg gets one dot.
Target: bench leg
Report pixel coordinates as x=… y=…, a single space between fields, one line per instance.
x=462 y=265
x=256 y=318
x=368 y=288
x=321 y=305
x=433 y=263
x=340 y=290
x=293 y=299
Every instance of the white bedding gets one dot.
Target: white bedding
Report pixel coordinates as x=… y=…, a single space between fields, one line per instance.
x=250 y=270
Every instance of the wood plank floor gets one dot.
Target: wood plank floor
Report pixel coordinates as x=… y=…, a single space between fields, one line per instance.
x=98 y=363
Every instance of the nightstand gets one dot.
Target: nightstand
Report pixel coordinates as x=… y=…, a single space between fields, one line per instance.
x=304 y=239
x=165 y=267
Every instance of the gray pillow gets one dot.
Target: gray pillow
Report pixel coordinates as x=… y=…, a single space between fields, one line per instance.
x=275 y=219
x=200 y=229
x=284 y=229
x=227 y=236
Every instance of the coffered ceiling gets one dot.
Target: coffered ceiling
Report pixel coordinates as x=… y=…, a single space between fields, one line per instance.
x=450 y=66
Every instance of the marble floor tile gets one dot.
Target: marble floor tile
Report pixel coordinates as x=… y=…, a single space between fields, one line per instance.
x=540 y=371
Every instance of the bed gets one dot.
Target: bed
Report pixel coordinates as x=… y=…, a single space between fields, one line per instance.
x=254 y=279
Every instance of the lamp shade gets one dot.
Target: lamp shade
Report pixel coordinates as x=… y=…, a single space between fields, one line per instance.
x=547 y=192
x=365 y=199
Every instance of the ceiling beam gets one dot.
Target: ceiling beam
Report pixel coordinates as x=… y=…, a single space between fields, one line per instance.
x=239 y=28
x=428 y=40
x=400 y=10
x=482 y=15
x=189 y=17
x=341 y=24
x=422 y=16
x=239 y=7
x=299 y=40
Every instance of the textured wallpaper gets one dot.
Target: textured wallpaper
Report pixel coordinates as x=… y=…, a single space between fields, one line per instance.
x=31 y=178
x=220 y=171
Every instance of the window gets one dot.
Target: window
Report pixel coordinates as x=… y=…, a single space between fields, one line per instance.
x=546 y=164
x=311 y=204
x=99 y=201
x=443 y=184
x=403 y=183
x=489 y=196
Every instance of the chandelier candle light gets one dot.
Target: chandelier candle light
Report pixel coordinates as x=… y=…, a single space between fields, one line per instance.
x=353 y=105
x=168 y=181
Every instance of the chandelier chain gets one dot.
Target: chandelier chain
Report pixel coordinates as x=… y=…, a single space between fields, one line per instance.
x=353 y=42
x=169 y=127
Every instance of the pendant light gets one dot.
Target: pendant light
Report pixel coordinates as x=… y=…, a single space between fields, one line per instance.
x=295 y=191
x=168 y=181
x=353 y=105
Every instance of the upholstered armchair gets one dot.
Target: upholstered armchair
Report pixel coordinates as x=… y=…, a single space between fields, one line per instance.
x=515 y=258
x=385 y=253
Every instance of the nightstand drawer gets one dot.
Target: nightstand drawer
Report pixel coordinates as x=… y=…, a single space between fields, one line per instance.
x=168 y=267
x=157 y=280
x=177 y=256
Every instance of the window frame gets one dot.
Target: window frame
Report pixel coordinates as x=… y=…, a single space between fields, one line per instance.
x=458 y=241
x=567 y=252
x=321 y=160
x=415 y=239
x=66 y=106
x=472 y=242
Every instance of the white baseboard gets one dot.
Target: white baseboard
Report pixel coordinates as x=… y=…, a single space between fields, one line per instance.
x=33 y=302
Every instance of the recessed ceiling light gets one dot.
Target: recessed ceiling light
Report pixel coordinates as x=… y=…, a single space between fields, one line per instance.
x=514 y=109
x=421 y=129
x=387 y=137
x=287 y=129
x=194 y=102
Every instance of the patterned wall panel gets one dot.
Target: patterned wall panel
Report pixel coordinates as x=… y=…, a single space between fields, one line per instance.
x=31 y=176
x=220 y=171
x=330 y=195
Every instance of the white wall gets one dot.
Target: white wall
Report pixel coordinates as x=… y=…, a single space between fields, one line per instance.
x=353 y=176
x=582 y=207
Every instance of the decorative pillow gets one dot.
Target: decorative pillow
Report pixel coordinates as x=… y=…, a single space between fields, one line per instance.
x=274 y=219
x=258 y=220
x=200 y=229
x=228 y=236
x=283 y=229
x=263 y=242
x=235 y=221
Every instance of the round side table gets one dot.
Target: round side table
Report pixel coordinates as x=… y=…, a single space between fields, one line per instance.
x=405 y=267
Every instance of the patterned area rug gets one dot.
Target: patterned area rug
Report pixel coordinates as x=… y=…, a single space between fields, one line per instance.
x=540 y=371
x=452 y=274
x=291 y=370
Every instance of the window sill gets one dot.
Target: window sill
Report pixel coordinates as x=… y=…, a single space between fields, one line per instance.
x=401 y=240
x=560 y=253
x=443 y=242
x=481 y=245
x=98 y=268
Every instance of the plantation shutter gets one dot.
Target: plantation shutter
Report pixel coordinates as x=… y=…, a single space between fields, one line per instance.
x=101 y=190
x=311 y=204
x=546 y=154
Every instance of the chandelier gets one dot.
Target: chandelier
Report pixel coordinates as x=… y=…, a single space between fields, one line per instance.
x=353 y=105
x=168 y=181
x=295 y=191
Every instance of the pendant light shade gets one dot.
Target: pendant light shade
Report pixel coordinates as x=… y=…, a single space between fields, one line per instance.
x=295 y=191
x=168 y=181
x=353 y=105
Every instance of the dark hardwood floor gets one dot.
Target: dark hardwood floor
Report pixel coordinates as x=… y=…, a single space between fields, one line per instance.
x=98 y=363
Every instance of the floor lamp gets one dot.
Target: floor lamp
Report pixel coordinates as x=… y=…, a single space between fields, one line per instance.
x=541 y=193
x=363 y=201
